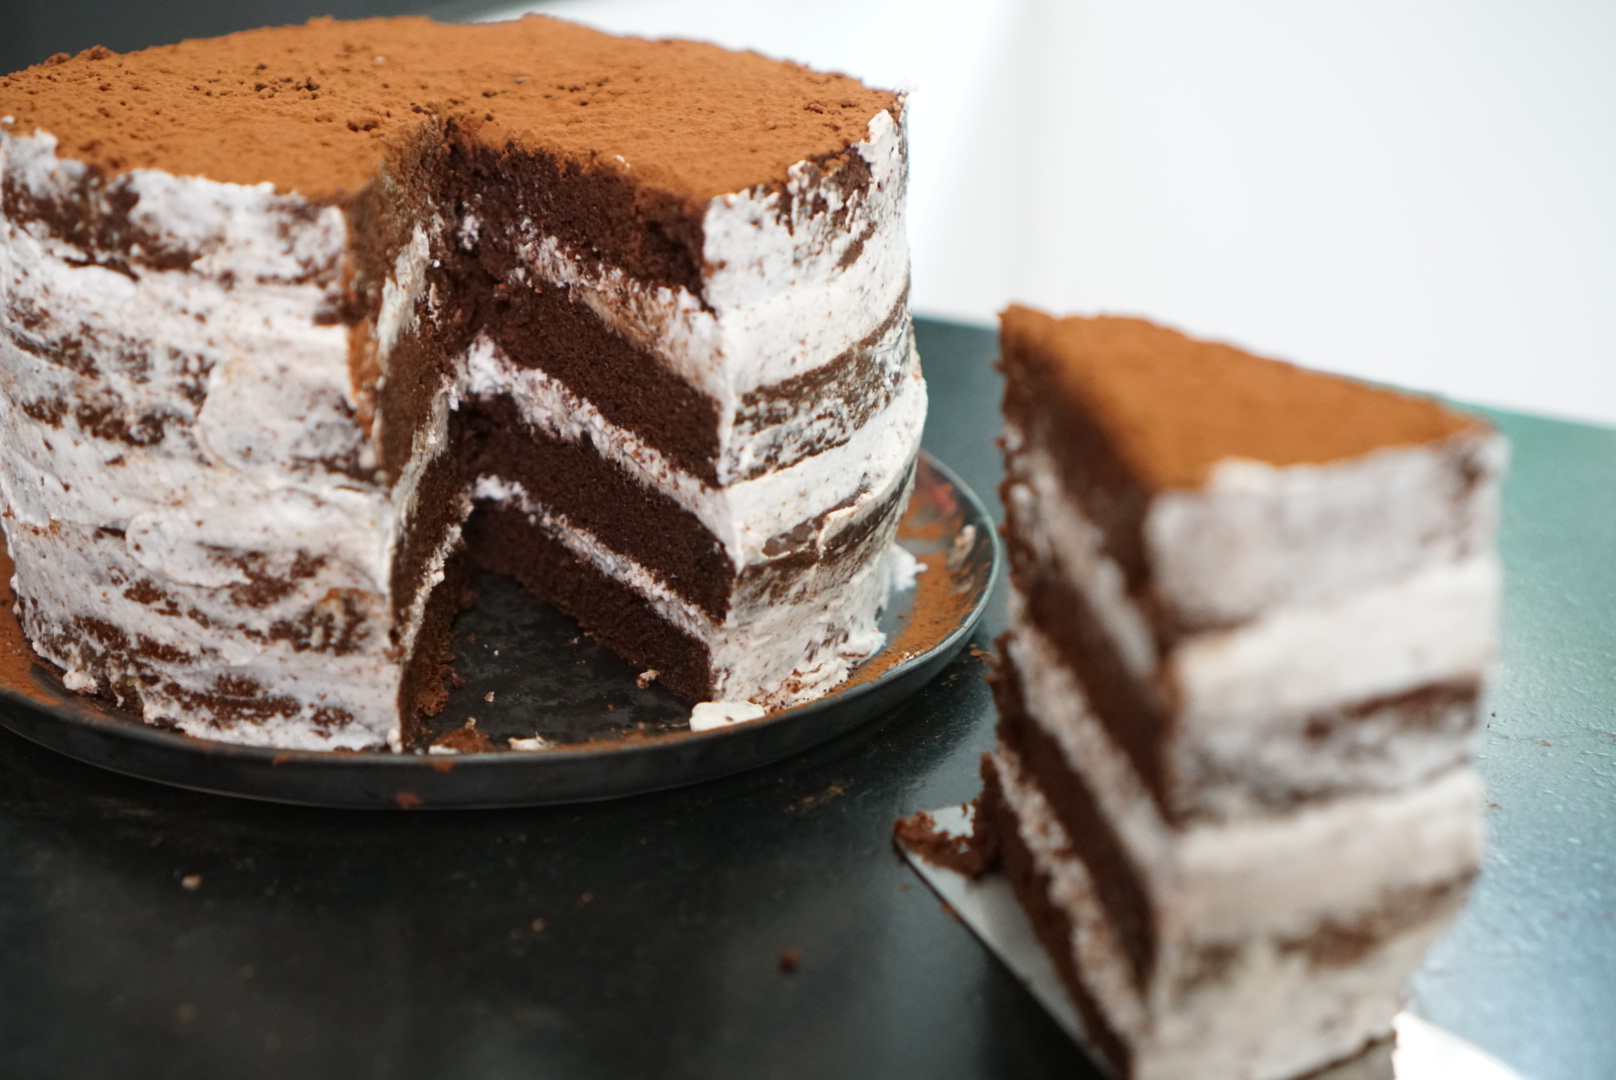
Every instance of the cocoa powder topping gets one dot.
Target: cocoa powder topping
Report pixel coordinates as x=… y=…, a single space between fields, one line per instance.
x=1173 y=406
x=317 y=108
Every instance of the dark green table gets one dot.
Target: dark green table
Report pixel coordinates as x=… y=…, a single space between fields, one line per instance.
x=643 y=937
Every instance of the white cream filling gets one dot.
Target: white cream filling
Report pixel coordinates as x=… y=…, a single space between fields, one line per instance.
x=1435 y=626
x=743 y=516
x=1268 y=1013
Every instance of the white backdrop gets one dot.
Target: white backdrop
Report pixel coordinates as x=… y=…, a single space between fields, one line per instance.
x=1421 y=194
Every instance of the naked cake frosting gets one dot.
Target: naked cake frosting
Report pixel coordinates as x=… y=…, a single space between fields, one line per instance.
x=298 y=324
x=1251 y=613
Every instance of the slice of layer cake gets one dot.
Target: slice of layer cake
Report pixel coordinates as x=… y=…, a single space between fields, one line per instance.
x=1252 y=608
x=294 y=322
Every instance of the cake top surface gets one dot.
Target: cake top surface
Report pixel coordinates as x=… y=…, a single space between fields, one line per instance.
x=1176 y=406
x=313 y=108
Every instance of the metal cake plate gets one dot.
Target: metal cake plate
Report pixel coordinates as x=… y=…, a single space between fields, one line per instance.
x=530 y=673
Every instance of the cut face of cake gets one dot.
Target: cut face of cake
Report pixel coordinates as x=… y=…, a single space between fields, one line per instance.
x=297 y=324
x=1252 y=609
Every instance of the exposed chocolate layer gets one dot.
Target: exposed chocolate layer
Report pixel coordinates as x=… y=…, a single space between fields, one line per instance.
x=1118 y=882
x=605 y=215
x=602 y=497
x=542 y=327
x=422 y=691
x=1137 y=715
x=504 y=541
x=1049 y=920
x=439 y=507
x=396 y=393
x=1092 y=468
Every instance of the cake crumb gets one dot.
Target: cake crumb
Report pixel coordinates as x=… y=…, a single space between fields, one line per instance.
x=465 y=739
x=971 y=854
x=191 y=882
x=538 y=926
x=646 y=678
x=790 y=959
x=707 y=715
x=488 y=696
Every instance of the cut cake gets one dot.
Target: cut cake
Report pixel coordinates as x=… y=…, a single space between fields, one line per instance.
x=294 y=320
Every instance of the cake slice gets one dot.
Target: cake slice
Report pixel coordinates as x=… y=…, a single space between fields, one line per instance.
x=1275 y=584
x=296 y=324
x=1251 y=611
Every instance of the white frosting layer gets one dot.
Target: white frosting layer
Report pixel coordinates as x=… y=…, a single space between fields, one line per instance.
x=239 y=398
x=780 y=643
x=1256 y=536
x=743 y=516
x=1435 y=625
x=1267 y=1011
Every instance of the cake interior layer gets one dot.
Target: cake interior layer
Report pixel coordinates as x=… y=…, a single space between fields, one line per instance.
x=592 y=351
x=1343 y=870
x=1256 y=1010
x=1244 y=716
x=793 y=626
x=627 y=515
x=503 y=539
x=1051 y=922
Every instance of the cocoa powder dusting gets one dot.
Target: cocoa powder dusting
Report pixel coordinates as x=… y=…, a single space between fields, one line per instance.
x=1174 y=406
x=937 y=610
x=317 y=108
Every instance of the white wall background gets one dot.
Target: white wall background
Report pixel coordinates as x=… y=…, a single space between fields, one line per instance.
x=1418 y=193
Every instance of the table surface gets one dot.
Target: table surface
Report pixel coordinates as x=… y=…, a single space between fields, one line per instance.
x=643 y=937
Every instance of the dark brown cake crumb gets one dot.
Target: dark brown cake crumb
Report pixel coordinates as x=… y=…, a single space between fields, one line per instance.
x=790 y=958
x=972 y=855
x=465 y=739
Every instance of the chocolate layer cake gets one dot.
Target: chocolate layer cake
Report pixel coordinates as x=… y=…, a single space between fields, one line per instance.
x=297 y=323
x=1252 y=608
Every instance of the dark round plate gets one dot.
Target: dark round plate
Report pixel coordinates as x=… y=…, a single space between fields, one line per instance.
x=529 y=672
